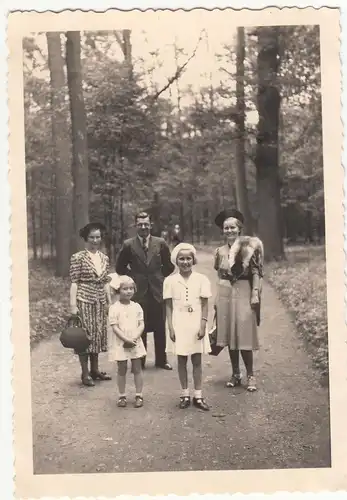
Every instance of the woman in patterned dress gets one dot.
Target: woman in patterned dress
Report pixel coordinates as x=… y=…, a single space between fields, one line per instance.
x=239 y=263
x=90 y=297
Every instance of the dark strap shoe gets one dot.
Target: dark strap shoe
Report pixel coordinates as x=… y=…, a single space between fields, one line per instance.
x=138 y=402
x=100 y=376
x=122 y=402
x=184 y=402
x=201 y=404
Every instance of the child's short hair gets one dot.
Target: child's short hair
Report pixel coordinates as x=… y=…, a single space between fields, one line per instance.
x=126 y=280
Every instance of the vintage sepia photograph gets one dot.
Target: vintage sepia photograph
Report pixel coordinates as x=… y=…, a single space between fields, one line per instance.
x=176 y=232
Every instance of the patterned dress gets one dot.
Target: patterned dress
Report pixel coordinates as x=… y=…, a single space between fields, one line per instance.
x=237 y=322
x=91 y=296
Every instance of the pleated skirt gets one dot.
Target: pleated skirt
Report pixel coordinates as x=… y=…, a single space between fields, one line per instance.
x=236 y=320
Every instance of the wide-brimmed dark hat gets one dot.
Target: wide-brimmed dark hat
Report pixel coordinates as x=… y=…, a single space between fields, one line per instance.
x=225 y=214
x=91 y=226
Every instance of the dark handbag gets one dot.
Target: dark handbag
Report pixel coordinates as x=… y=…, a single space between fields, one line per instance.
x=215 y=349
x=74 y=336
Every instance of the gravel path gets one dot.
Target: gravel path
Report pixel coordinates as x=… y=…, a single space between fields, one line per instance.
x=285 y=424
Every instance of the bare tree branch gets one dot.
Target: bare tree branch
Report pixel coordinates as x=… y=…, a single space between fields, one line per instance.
x=179 y=71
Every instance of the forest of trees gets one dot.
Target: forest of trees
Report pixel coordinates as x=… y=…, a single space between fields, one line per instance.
x=103 y=141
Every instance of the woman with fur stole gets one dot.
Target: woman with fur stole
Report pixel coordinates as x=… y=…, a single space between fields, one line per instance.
x=239 y=264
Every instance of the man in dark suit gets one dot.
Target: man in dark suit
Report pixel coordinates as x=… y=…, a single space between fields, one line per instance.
x=146 y=259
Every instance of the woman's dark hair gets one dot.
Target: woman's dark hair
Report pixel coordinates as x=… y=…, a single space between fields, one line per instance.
x=226 y=214
x=92 y=226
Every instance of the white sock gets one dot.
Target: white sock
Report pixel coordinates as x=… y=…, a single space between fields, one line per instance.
x=198 y=394
x=122 y=395
x=139 y=394
x=185 y=393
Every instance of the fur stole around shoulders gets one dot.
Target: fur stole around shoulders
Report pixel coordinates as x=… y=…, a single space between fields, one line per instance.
x=248 y=247
x=244 y=250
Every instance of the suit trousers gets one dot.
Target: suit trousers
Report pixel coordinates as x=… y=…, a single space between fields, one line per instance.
x=154 y=318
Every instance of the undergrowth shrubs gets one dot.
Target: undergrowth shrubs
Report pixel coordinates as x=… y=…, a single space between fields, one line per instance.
x=49 y=301
x=300 y=281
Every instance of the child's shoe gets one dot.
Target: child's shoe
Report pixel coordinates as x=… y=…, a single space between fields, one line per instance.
x=122 y=402
x=201 y=404
x=184 y=402
x=138 y=401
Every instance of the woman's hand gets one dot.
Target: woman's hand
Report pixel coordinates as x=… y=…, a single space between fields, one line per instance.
x=172 y=334
x=254 y=298
x=73 y=310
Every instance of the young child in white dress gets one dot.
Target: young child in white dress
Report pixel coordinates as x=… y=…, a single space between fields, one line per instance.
x=186 y=295
x=127 y=325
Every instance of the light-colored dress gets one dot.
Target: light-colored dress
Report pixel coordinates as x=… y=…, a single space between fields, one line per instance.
x=236 y=320
x=186 y=313
x=127 y=317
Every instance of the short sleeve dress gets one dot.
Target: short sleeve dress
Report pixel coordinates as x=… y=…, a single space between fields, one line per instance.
x=127 y=318
x=186 y=313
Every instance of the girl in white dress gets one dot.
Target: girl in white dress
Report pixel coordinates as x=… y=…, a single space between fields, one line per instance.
x=186 y=295
x=127 y=325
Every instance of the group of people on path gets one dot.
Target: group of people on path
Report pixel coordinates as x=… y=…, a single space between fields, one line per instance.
x=144 y=294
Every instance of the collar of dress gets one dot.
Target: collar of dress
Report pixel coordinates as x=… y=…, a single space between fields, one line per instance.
x=183 y=281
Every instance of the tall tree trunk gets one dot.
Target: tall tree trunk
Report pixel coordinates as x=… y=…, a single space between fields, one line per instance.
x=241 y=181
x=62 y=155
x=32 y=211
x=268 y=182
x=42 y=228
x=182 y=217
x=52 y=217
x=206 y=232
x=127 y=51
x=197 y=218
x=80 y=172
x=155 y=212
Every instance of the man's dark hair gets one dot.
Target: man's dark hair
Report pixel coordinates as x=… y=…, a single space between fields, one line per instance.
x=142 y=215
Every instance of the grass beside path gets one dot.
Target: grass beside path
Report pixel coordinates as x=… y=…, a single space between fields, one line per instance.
x=49 y=301
x=300 y=281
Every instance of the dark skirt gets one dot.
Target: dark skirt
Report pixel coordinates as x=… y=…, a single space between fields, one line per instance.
x=94 y=320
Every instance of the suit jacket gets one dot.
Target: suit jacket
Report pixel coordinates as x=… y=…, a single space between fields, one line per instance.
x=148 y=271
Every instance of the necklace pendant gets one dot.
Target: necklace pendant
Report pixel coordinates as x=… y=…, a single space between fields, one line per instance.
x=190 y=309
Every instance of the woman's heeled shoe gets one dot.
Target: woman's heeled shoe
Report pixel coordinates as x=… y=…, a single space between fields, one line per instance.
x=88 y=381
x=234 y=381
x=100 y=376
x=251 y=384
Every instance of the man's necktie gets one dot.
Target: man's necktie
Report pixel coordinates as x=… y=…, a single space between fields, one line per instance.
x=144 y=245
